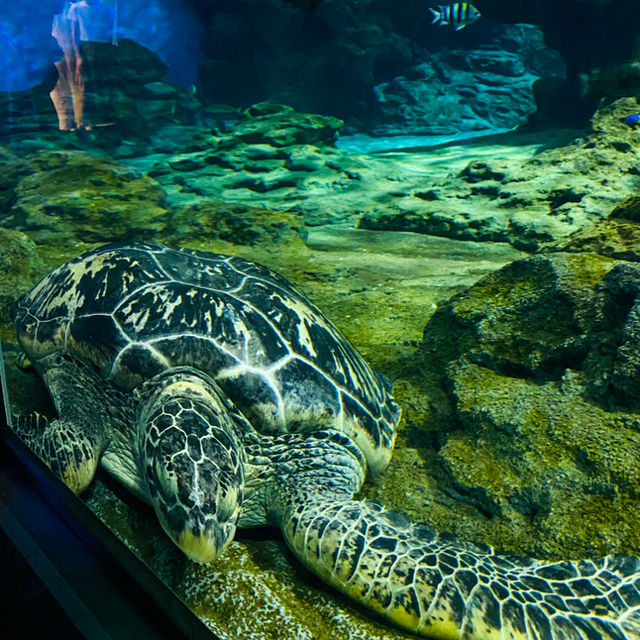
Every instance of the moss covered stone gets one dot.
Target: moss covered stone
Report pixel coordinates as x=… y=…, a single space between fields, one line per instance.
x=233 y=224
x=12 y=169
x=77 y=196
x=20 y=267
x=279 y=125
x=531 y=376
x=618 y=236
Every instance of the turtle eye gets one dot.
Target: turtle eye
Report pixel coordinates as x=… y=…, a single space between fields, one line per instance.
x=58 y=360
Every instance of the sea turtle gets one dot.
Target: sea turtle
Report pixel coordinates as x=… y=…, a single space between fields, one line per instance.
x=215 y=391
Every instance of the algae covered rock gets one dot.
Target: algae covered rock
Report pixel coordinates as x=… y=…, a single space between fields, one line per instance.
x=533 y=373
x=618 y=236
x=533 y=317
x=279 y=125
x=219 y=225
x=273 y=157
x=614 y=237
x=77 y=196
x=608 y=120
x=20 y=267
x=530 y=201
x=12 y=169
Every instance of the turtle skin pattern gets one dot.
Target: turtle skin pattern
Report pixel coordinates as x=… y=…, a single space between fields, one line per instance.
x=443 y=588
x=200 y=359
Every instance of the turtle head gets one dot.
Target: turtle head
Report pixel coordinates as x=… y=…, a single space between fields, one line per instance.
x=192 y=463
x=197 y=504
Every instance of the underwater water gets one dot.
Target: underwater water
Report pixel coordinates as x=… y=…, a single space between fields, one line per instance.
x=451 y=192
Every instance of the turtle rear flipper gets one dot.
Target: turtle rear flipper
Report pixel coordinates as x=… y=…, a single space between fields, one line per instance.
x=65 y=447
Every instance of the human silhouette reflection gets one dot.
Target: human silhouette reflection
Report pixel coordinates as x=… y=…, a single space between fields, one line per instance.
x=61 y=95
x=84 y=31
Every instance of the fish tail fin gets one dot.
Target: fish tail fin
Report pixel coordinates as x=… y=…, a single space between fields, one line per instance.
x=436 y=15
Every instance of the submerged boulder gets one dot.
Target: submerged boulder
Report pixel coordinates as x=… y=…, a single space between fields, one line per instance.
x=531 y=382
x=279 y=125
x=461 y=90
x=20 y=267
x=12 y=169
x=80 y=197
x=237 y=229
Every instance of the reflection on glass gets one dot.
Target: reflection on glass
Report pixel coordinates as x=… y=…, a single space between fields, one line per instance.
x=86 y=33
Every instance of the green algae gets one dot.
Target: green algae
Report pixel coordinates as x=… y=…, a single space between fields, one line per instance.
x=79 y=197
x=508 y=290
x=541 y=311
x=20 y=267
x=535 y=470
x=525 y=430
x=232 y=225
x=279 y=125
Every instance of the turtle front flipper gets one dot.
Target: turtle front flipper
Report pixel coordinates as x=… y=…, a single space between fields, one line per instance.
x=65 y=447
x=430 y=584
x=72 y=444
x=191 y=460
x=448 y=590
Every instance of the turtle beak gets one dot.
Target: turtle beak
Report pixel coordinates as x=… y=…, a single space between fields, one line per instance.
x=203 y=531
x=205 y=541
x=202 y=522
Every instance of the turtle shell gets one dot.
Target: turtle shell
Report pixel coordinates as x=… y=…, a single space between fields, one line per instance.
x=135 y=310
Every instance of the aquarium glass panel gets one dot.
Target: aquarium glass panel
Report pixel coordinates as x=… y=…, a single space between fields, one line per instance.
x=318 y=303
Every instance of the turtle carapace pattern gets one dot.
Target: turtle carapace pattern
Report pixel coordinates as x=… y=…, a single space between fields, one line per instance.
x=216 y=392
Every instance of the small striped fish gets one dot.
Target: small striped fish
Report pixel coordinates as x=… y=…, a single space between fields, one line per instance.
x=459 y=14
